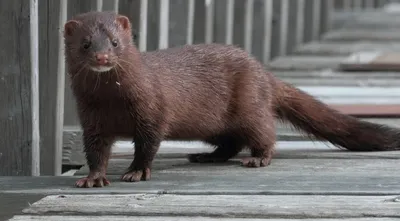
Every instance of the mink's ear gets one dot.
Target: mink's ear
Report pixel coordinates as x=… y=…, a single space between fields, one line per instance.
x=124 y=22
x=70 y=26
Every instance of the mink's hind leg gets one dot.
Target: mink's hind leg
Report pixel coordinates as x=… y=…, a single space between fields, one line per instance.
x=140 y=168
x=97 y=150
x=261 y=142
x=227 y=147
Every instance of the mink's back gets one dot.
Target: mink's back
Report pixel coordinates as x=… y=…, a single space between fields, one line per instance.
x=208 y=88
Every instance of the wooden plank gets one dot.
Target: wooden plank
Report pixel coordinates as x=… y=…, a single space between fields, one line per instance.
x=13 y=203
x=171 y=218
x=279 y=206
x=345 y=48
x=360 y=34
x=372 y=61
x=303 y=63
x=311 y=172
x=15 y=90
x=51 y=67
x=73 y=148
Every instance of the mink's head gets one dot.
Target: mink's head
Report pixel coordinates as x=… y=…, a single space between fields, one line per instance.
x=96 y=41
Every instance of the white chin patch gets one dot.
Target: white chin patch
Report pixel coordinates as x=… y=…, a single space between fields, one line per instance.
x=101 y=68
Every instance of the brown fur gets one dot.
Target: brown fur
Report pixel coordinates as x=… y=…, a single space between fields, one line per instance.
x=215 y=93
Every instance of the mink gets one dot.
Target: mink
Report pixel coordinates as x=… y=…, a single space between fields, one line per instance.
x=215 y=93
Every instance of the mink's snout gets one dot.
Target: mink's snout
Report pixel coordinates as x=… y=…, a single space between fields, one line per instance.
x=102 y=58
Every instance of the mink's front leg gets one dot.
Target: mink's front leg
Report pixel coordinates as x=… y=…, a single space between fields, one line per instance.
x=140 y=168
x=97 y=150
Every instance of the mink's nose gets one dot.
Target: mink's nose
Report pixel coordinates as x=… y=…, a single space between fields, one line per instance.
x=102 y=58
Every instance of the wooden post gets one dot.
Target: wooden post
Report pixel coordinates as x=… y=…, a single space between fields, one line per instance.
x=229 y=21
x=16 y=86
x=326 y=12
x=248 y=25
x=51 y=84
x=144 y=4
x=163 y=24
x=316 y=21
x=209 y=21
x=283 y=27
x=34 y=54
x=60 y=95
x=110 y=5
x=268 y=16
x=190 y=23
x=300 y=21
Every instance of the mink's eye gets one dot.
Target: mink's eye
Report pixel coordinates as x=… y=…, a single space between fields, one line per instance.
x=114 y=43
x=86 y=44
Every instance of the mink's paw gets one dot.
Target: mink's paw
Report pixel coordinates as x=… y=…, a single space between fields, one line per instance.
x=137 y=175
x=256 y=161
x=89 y=182
x=205 y=158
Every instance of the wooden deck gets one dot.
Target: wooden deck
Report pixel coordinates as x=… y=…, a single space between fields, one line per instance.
x=306 y=181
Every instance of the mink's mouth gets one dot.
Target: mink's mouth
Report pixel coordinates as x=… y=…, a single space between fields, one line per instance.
x=101 y=68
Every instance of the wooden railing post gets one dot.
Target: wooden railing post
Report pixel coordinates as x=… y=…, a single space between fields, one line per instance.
x=19 y=94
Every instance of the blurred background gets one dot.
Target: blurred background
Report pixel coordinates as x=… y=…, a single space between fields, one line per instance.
x=344 y=52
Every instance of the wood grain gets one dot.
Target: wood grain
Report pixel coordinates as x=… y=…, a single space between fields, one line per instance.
x=257 y=206
x=49 y=12
x=172 y=218
x=15 y=89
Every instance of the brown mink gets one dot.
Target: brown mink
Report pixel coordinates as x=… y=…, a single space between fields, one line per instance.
x=215 y=93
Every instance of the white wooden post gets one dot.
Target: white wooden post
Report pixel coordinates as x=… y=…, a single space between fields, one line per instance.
x=164 y=25
x=190 y=23
x=248 y=25
x=144 y=4
x=34 y=48
x=99 y=5
x=284 y=21
x=230 y=10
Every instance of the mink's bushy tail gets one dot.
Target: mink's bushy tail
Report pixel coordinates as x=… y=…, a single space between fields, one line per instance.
x=317 y=119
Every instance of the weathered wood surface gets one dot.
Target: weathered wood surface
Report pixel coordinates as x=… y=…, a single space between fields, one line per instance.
x=173 y=218
x=345 y=48
x=49 y=93
x=362 y=34
x=307 y=173
x=372 y=61
x=73 y=148
x=273 y=206
x=304 y=63
x=15 y=90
